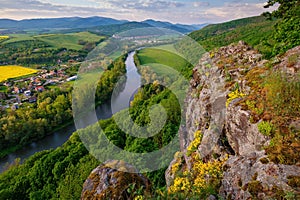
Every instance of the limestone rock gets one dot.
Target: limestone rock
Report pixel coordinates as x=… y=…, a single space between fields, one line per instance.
x=243 y=136
x=248 y=177
x=290 y=61
x=248 y=173
x=106 y=182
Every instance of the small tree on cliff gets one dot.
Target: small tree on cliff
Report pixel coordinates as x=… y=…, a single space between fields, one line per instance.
x=288 y=28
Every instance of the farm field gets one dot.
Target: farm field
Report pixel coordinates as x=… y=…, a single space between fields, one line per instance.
x=18 y=38
x=69 y=41
x=3 y=37
x=153 y=55
x=12 y=71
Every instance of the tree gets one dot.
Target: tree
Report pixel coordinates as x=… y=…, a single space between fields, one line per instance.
x=284 y=7
x=287 y=29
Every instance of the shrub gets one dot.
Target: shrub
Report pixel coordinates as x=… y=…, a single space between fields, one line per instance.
x=266 y=128
x=283 y=94
x=195 y=143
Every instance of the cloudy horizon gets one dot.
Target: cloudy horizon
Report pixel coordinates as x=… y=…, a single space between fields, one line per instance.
x=175 y=11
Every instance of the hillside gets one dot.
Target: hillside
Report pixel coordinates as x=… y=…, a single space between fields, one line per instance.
x=256 y=31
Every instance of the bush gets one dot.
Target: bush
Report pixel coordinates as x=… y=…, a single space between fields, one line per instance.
x=266 y=128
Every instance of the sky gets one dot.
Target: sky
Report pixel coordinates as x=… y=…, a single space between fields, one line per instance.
x=175 y=11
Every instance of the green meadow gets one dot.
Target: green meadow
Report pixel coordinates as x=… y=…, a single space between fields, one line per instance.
x=69 y=41
x=73 y=41
x=163 y=57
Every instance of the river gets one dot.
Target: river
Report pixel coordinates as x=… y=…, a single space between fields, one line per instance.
x=119 y=102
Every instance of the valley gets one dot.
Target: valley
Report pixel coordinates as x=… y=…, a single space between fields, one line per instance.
x=98 y=108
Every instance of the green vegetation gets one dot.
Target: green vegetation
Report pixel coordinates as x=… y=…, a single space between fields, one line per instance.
x=13 y=38
x=271 y=34
x=286 y=32
x=53 y=110
x=256 y=31
x=3 y=88
x=50 y=49
x=60 y=173
x=274 y=99
x=75 y=41
x=49 y=174
x=154 y=56
x=266 y=128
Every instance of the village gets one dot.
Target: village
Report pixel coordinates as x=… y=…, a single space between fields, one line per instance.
x=26 y=90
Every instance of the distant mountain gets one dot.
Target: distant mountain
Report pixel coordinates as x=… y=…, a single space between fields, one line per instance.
x=102 y=24
x=56 y=23
x=182 y=28
x=117 y=28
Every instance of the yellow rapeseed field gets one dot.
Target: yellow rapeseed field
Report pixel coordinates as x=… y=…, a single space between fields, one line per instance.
x=4 y=37
x=12 y=71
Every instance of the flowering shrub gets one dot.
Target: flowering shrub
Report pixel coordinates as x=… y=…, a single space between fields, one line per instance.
x=195 y=143
x=201 y=181
x=234 y=95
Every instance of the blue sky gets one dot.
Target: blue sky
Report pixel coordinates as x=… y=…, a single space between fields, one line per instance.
x=176 y=11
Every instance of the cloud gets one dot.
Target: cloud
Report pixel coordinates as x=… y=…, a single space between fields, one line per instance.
x=148 y=5
x=198 y=4
x=20 y=9
x=177 y=11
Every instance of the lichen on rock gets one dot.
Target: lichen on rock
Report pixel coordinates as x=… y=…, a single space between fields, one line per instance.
x=226 y=103
x=106 y=182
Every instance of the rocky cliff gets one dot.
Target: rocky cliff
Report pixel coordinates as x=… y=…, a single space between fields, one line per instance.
x=232 y=122
x=241 y=136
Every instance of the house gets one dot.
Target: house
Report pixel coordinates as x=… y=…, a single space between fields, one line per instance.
x=32 y=99
x=27 y=93
x=7 y=84
x=40 y=89
x=16 y=90
x=73 y=78
x=15 y=106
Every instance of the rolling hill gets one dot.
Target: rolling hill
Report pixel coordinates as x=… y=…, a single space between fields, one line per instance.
x=256 y=31
x=76 y=24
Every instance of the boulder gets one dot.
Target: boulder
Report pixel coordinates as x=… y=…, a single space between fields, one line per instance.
x=114 y=180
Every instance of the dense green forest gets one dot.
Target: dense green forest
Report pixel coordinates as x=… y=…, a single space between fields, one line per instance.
x=60 y=173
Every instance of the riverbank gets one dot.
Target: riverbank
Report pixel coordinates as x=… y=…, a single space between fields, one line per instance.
x=61 y=134
x=6 y=152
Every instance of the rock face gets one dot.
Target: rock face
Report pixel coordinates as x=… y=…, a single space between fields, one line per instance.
x=106 y=182
x=247 y=177
x=228 y=129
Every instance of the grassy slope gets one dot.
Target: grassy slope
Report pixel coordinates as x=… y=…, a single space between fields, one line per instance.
x=69 y=41
x=155 y=57
x=256 y=31
x=18 y=37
